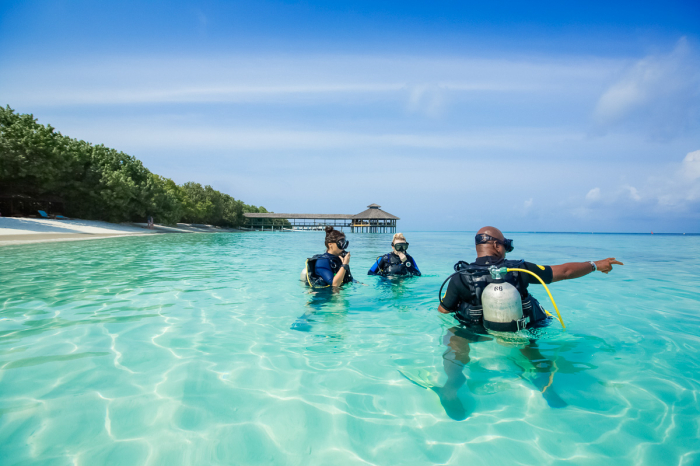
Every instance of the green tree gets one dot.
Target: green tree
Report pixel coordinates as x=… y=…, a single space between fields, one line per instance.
x=100 y=183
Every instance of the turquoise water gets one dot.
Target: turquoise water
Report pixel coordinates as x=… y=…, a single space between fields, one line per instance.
x=206 y=349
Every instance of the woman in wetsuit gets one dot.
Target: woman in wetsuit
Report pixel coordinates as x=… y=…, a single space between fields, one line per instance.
x=333 y=267
x=398 y=262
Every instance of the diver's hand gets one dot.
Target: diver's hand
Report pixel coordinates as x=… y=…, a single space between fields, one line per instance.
x=346 y=258
x=401 y=255
x=606 y=265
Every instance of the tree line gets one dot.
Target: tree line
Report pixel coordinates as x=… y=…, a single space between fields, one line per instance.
x=99 y=183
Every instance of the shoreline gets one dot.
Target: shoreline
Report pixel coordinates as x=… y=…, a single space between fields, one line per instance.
x=58 y=238
x=16 y=230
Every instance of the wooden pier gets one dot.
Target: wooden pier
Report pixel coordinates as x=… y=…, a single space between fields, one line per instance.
x=372 y=220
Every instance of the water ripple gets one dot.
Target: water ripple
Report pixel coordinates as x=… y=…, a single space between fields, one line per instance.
x=205 y=349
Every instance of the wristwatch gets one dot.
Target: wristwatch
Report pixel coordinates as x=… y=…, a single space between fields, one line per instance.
x=593 y=265
x=346 y=267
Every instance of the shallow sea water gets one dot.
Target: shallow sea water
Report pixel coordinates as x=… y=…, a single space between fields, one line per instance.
x=207 y=349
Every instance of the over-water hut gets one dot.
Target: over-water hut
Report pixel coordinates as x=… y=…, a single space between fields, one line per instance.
x=374 y=220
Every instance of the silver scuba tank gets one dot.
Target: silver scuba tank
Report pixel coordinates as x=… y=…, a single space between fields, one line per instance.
x=303 y=275
x=502 y=305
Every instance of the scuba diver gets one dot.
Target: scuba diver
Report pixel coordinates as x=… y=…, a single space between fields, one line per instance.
x=331 y=268
x=325 y=273
x=468 y=288
x=488 y=294
x=398 y=262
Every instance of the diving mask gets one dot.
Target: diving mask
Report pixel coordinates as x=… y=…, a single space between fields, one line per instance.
x=342 y=243
x=506 y=243
x=401 y=247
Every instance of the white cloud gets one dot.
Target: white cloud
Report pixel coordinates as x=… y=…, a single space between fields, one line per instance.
x=633 y=193
x=427 y=99
x=157 y=133
x=691 y=165
x=659 y=94
x=670 y=190
x=421 y=83
x=593 y=194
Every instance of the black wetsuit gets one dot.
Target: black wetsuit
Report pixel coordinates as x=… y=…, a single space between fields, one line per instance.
x=390 y=264
x=460 y=296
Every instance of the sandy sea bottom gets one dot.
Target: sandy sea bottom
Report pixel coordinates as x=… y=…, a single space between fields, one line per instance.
x=206 y=349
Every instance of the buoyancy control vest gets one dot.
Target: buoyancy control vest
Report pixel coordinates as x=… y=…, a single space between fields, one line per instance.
x=476 y=277
x=390 y=264
x=336 y=263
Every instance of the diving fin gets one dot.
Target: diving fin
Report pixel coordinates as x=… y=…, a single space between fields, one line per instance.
x=423 y=378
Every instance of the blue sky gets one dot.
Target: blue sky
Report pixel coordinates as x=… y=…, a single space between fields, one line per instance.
x=451 y=115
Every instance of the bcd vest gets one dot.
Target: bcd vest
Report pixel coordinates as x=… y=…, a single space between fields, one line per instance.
x=336 y=264
x=475 y=277
x=392 y=265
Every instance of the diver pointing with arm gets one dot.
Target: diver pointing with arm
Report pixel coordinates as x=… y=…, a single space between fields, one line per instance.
x=491 y=293
x=464 y=292
x=572 y=270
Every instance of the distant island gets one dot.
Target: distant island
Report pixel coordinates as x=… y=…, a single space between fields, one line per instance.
x=42 y=169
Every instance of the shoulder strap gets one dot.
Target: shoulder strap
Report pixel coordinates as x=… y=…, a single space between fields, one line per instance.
x=379 y=263
x=461 y=265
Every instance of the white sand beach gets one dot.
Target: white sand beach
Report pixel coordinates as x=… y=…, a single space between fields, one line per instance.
x=33 y=230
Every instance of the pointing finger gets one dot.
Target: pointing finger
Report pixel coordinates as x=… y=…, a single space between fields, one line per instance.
x=616 y=262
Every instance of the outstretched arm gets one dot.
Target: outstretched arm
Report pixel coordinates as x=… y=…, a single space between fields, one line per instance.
x=572 y=270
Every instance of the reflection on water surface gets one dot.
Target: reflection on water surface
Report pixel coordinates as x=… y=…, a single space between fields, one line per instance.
x=207 y=349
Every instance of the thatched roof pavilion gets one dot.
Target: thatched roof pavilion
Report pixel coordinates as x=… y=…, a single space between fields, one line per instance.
x=372 y=220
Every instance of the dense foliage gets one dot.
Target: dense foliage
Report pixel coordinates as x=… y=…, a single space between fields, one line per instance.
x=99 y=183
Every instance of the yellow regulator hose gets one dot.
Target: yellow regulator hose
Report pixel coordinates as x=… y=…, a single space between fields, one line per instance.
x=545 y=287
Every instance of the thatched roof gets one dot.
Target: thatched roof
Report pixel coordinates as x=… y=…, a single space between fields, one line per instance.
x=375 y=213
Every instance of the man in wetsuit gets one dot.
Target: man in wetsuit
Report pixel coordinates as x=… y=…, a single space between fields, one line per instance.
x=491 y=250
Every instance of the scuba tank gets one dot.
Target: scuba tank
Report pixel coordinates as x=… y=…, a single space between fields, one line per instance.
x=308 y=273
x=502 y=304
